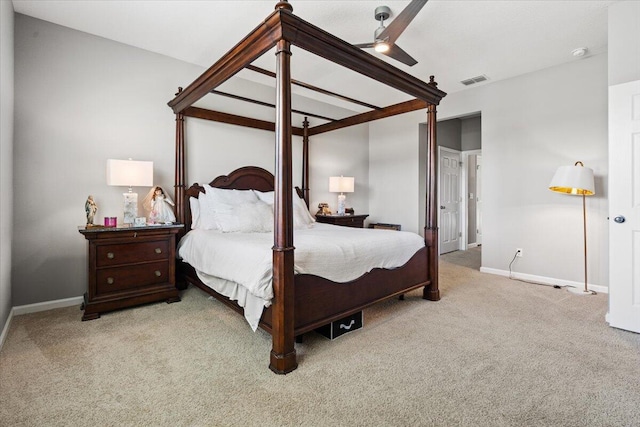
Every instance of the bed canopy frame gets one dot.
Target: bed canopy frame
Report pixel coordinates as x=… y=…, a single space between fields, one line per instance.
x=282 y=29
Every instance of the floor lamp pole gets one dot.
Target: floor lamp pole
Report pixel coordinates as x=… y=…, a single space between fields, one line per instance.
x=584 y=222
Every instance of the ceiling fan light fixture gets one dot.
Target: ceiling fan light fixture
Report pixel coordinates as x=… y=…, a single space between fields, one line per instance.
x=381 y=47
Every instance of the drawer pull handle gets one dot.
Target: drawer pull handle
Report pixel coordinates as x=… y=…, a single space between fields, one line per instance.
x=158 y=274
x=347 y=327
x=110 y=255
x=110 y=280
x=158 y=250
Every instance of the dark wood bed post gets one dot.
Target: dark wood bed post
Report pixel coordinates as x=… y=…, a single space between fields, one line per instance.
x=305 y=161
x=432 y=291
x=180 y=177
x=283 y=352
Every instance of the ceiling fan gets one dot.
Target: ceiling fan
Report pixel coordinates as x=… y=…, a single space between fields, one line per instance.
x=385 y=37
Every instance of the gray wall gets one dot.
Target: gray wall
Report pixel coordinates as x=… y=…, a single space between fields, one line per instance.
x=450 y=134
x=471 y=133
x=82 y=99
x=464 y=134
x=531 y=125
x=624 y=42
x=6 y=155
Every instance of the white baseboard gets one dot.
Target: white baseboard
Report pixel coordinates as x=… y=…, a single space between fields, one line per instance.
x=47 y=305
x=545 y=280
x=5 y=330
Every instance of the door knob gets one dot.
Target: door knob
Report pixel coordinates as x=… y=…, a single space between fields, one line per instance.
x=619 y=219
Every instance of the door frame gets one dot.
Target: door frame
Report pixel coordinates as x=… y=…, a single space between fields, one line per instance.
x=464 y=205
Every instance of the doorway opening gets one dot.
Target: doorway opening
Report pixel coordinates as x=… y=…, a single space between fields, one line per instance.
x=459 y=182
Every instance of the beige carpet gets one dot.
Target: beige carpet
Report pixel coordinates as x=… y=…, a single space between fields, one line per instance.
x=492 y=352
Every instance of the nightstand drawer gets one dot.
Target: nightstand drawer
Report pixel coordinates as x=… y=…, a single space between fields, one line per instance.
x=128 y=253
x=350 y=222
x=115 y=279
x=356 y=221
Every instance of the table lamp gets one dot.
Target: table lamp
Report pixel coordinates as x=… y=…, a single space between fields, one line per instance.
x=130 y=173
x=341 y=184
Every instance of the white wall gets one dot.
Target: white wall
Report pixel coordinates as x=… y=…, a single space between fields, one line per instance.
x=82 y=99
x=343 y=152
x=531 y=125
x=624 y=42
x=394 y=192
x=6 y=155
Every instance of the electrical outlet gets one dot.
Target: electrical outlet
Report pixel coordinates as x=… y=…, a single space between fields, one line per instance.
x=519 y=252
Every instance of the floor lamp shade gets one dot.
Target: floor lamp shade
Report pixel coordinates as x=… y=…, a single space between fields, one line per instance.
x=341 y=184
x=576 y=180
x=130 y=173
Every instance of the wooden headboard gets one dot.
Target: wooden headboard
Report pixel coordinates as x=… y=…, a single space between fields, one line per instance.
x=245 y=178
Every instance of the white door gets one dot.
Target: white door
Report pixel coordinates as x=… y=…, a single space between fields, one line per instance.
x=479 y=200
x=449 y=195
x=624 y=206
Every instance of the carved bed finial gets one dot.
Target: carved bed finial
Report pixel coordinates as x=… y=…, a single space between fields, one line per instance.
x=179 y=90
x=432 y=81
x=284 y=4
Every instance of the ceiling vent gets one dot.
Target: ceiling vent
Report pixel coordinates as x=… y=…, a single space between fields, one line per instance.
x=473 y=80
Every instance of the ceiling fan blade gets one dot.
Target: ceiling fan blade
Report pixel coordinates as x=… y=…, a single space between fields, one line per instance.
x=398 y=54
x=365 y=45
x=400 y=22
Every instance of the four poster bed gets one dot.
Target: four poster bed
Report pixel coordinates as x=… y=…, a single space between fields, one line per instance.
x=303 y=302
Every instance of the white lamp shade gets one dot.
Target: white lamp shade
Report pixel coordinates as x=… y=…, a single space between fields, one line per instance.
x=129 y=173
x=341 y=184
x=576 y=180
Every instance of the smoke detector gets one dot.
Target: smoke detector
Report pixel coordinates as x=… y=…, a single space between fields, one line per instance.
x=579 y=52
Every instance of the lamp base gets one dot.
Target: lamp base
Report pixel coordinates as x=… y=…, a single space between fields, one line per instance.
x=341 y=204
x=579 y=291
x=130 y=207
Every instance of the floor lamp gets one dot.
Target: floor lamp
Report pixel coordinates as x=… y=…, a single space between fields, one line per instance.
x=576 y=180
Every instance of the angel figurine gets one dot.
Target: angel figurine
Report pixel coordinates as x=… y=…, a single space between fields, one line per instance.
x=90 y=208
x=159 y=206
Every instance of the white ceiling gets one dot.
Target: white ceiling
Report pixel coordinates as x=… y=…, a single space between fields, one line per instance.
x=451 y=39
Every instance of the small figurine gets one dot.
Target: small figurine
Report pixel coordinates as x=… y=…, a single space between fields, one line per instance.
x=159 y=206
x=323 y=209
x=90 y=208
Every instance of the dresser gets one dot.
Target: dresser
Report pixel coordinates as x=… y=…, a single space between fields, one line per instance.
x=343 y=220
x=129 y=266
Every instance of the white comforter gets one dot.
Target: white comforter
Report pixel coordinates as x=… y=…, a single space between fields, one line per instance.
x=340 y=254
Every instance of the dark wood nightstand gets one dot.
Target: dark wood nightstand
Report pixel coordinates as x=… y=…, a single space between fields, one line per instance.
x=343 y=220
x=129 y=266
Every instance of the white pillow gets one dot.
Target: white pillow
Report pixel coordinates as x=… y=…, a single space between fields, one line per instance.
x=217 y=201
x=301 y=207
x=194 y=205
x=301 y=216
x=229 y=196
x=266 y=196
x=249 y=217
